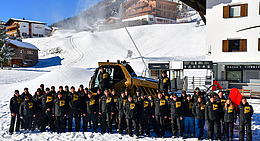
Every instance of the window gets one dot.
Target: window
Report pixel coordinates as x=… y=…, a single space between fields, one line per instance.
x=150 y=19
x=24 y=34
x=234 y=76
x=21 y=51
x=235 y=11
x=234 y=45
x=30 y=52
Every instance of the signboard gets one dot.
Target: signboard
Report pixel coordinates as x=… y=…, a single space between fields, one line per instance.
x=158 y=66
x=242 y=67
x=197 y=65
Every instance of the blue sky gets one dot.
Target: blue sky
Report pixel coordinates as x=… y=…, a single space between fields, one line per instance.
x=49 y=11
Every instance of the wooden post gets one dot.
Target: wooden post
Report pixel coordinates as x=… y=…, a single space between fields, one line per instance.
x=2 y=66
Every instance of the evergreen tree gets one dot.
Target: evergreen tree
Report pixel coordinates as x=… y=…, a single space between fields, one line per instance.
x=5 y=49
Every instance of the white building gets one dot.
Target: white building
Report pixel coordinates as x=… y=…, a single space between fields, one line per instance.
x=233 y=39
x=25 y=28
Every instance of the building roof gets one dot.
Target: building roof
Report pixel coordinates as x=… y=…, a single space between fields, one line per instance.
x=23 y=44
x=48 y=28
x=22 y=20
x=198 y=5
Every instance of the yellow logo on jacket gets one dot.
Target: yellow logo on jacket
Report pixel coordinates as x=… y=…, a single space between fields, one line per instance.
x=49 y=99
x=105 y=75
x=165 y=80
x=247 y=109
x=146 y=104
x=125 y=100
x=132 y=106
x=62 y=103
x=202 y=107
x=19 y=100
x=190 y=105
x=108 y=100
x=115 y=100
x=162 y=102
x=223 y=101
x=30 y=105
x=215 y=107
x=75 y=97
x=178 y=104
x=230 y=109
x=92 y=101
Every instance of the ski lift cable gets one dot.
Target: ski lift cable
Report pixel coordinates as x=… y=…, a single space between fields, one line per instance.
x=113 y=11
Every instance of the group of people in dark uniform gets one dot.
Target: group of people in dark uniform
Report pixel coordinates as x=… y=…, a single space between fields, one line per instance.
x=180 y=115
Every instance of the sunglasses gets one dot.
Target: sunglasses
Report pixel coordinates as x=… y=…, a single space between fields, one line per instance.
x=16 y=93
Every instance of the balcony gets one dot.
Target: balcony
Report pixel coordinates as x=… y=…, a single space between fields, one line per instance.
x=11 y=27
x=11 y=32
x=140 y=5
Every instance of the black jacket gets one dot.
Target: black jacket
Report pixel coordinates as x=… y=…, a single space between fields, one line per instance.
x=212 y=111
x=38 y=102
x=27 y=109
x=103 y=79
x=164 y=84
x=63 y=93
x=187 y=108
x=15 y=104
x=230 y=114
x=130 y=110
x=195 y=98
x=47 y=101
x=245 y=112
x=74 y=100
x=115 y=98
x=120 y=104
x=23 y=95
x=106 y=104
x=59 y=107
x=176 y=108
x=53 y=94
x=90 y=106
x=159 y=107
x=144 y=108
x=198 y=111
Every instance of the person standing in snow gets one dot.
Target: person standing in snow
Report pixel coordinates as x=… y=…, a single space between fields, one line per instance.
x=212 y=116
x=74 y=107
x=230 y=117
x=103 y=79
x=121 y=116
x=115 y=116
x=221 y=100
x=245 y=113
x=176 y=108
x=38 y=109
x=15 y=102
x=188 y=118
x=90 y=111
x=27 y=113
x=159 y=112
x=130 y=110
x=47 y=105
x=198 y=110
x=164 y=83
x=106 y=109
x=144 y=113
x=59 y=112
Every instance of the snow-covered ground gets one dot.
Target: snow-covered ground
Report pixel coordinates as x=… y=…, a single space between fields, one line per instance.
x=68 y=58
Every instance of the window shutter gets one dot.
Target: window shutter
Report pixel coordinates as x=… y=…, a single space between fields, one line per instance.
x=243 y=44
x=226 y=12
x=258 y=44
x=243 y=10
x=225 y=46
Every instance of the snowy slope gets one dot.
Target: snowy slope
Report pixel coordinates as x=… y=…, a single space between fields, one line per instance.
x=68 y=58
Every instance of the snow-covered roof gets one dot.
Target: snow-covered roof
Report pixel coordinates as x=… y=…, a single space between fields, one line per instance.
x=21 y=20
x=47 y=28
x=22 y=44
